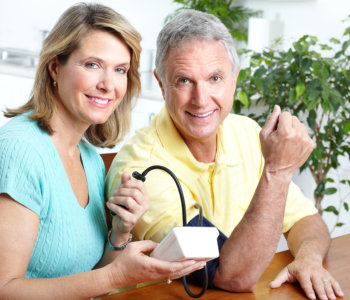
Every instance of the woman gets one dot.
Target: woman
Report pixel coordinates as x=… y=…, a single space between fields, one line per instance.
x=53 y=229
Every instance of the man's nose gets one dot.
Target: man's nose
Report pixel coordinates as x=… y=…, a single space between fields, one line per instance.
x=200 y=93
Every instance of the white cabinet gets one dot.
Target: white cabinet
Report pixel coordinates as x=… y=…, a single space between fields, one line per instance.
x=14 y=91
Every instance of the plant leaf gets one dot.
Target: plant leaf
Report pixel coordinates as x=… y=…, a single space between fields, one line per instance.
x=329 y=191
x=300 y=88
x=332 y=209
x=243 y=98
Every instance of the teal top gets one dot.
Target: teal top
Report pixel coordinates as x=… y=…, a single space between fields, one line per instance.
x=71 y=239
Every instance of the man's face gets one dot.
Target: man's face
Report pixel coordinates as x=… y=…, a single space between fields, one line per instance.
x=198 y=90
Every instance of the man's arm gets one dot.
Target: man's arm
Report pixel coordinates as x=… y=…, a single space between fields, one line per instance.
x=309 y=241
x=245 y=255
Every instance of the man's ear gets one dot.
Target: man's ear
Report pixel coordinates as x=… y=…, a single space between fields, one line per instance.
x=53 y=67
x=236 y=76
x=235 y=80
x=160 y=83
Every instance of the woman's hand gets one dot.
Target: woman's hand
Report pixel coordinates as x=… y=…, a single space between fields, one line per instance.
x=129 y=202
x=132 y=266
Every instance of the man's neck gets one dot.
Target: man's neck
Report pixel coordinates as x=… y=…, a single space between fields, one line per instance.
x=203 y=151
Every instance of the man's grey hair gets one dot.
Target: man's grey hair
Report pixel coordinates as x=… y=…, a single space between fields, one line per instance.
x=193 y=25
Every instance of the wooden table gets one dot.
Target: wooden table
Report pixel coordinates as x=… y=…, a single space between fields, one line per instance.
x=337 y=262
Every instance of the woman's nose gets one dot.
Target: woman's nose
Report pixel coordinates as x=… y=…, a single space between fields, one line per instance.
x=106 y=82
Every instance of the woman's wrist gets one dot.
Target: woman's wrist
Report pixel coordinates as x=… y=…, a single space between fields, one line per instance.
x=118 y=241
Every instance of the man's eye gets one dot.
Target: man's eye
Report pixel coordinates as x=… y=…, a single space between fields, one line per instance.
x=216 y=78
x=183 y=81
x=91 y=65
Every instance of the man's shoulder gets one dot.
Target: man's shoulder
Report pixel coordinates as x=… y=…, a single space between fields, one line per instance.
x=240 y=121
x=139 y=145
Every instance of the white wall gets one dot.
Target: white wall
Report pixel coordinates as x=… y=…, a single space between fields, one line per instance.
x=21 y=22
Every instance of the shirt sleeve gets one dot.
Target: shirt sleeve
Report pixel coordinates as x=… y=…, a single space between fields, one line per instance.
x=21 y=173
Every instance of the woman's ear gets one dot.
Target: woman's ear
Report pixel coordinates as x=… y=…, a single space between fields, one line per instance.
x=53 y=67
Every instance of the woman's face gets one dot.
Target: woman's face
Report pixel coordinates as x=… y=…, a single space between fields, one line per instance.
x=93 y=81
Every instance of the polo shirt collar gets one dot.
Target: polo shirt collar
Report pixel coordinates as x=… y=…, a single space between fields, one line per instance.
x=174 y=143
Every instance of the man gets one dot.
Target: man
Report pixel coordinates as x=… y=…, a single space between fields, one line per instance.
x=241 y=176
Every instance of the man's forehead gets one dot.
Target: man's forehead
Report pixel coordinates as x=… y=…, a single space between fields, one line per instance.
x=210 y=55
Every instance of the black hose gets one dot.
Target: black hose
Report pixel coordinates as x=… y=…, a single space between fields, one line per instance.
x=142 y=177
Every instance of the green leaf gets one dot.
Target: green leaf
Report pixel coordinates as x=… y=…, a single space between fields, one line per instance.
x=300 y=88
x=340 y=224
x=318 y=155
x=346 y=206
x=324 y=72
x=243 y=75
x=298 y=47
x=334 y=41
x=320 y=187
x=346 y=45
x=292 y=98
x=258 y=83
x=332 y=209
x=347 y=31
x=289 y=56
x=329 y=191
x=316 y=67
x=243 y=98
x=347 y=127
x=311 y=119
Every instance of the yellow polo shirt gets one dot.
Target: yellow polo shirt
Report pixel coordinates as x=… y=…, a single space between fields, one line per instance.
x=224 y=189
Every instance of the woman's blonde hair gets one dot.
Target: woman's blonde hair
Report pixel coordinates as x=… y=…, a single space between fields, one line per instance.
x=63 y=39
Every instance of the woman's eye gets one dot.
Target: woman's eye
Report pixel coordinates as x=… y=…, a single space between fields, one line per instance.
x=121 y=70
x=91 y=65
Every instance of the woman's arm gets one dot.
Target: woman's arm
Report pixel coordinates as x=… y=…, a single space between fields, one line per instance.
x=128 y=203
x=18 y=230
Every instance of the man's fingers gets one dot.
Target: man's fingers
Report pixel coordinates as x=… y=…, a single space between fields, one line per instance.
x=336 y=288
x=272 y=121
x=285 y=121
x=281 y=278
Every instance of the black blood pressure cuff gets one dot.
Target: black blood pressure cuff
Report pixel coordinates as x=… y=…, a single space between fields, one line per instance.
x=212 y=265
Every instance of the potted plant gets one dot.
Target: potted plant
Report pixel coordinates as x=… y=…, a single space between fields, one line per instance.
x=312 y=81
x=235 y=17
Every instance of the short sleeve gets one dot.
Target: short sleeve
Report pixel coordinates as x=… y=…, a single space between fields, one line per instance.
x=21 y=173
x=297 y=207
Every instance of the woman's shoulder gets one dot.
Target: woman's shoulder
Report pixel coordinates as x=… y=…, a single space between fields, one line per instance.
x=20 y=127
x=21 y=136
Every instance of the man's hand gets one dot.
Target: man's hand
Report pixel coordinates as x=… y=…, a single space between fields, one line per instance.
x=313 y=279
x=285 y=143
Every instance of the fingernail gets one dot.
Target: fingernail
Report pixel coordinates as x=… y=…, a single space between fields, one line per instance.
x=312 y=296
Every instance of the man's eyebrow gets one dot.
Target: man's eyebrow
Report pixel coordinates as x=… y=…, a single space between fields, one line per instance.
x=217 y=72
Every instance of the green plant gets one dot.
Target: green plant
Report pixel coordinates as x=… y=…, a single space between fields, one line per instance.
x=312 y=81
x=235 y=17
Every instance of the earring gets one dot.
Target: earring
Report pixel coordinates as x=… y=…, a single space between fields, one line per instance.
x=54 y=83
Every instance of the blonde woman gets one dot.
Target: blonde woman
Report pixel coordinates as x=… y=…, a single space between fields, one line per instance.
x=53 y=232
